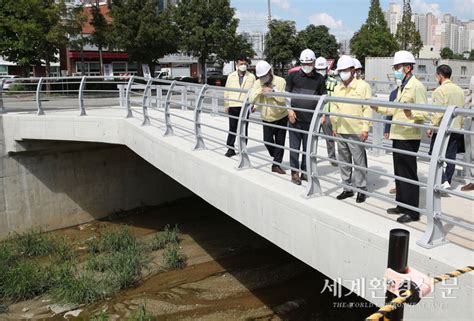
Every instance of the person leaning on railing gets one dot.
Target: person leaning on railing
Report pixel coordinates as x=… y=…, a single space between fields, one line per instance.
x=351 y=129
x=271 y=115
x=406 y=138
x=448 y=94
x=242 y=79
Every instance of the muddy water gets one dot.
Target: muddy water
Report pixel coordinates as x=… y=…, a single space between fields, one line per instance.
x=232 y=274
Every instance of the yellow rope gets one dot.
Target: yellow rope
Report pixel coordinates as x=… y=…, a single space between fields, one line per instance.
x=392 y=305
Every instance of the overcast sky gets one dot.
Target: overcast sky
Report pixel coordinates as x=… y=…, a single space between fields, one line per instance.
x=343 y=17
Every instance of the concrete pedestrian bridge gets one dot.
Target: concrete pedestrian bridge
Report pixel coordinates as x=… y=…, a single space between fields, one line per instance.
x=346 y=241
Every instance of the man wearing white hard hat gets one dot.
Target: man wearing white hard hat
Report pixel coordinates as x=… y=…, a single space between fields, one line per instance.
x=363 y=85
x=358 y=68
x=305 y=81
x=273 y=117
x=322 y=69
x=406 y=138
x=351 y=129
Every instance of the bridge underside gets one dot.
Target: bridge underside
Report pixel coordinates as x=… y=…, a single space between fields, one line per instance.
x=341 y=239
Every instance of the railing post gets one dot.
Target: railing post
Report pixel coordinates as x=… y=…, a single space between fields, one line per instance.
x=159 y=96
x=377 y=136
x=145 y=101
x=169 y=95
x=82 y=109
x=312 y=150
x=244 y=160
x=38 y=97
x=127 y=95
x=184 y=97
x=2 y=106
x=197 y=119
x=435 y=233
x=214 y=104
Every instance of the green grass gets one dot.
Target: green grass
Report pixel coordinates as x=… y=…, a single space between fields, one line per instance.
x=32 y=243
x=162 y=238
x=23 y=280
x=173 y=259
x=116 y=240
x=140 y=315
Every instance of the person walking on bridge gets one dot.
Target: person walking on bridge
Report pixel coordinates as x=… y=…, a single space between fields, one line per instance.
x=241 y=78
x=448 y=94
x=331 y=83
x=273 y=111
x=406 y=138
x=304 y=81
x=351 y=129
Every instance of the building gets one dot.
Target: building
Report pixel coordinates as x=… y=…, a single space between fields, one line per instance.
x=257 y=39
x=345 y=47
x=393 y=16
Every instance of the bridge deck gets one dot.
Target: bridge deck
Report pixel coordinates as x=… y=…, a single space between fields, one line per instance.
x=339 y=238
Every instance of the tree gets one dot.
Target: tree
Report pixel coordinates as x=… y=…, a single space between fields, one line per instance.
x=471 y=55
x=74 y=23
x=318 y=39
x=32 y=32
x=101 y=33
x=239 y=46
x=206 y=28
x=407 y=36
x=373 y=38
x=280 y=43
x=142 y=30
x=446 y=53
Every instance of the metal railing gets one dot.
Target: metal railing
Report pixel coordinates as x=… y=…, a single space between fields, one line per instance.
x=136 y=95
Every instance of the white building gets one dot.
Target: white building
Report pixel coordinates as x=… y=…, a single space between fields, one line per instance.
x=393 y=16
x=257 y=39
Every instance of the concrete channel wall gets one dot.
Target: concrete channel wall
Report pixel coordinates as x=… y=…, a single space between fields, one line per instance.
x=52 y=184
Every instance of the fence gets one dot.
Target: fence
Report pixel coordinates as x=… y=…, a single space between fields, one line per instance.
x=137 y=95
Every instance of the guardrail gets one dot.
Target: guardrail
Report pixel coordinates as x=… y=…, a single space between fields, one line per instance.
x=166 y=96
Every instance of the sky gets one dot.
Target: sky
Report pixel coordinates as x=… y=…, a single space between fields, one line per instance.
x=343 y=17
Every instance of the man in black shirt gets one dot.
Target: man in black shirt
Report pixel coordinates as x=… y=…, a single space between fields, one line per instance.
x=304 y=81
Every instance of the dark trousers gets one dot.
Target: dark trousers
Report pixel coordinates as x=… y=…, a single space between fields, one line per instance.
x=233 y=122
x=295 y=142
x=275 y=136
x=406 y=166
x=455 y=141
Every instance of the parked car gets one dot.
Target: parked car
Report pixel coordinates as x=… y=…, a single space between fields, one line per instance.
x=8 y=80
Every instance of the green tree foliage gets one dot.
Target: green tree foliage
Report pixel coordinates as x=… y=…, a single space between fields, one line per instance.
x=32 y=31
x=143 y=31
x=280 y=43
x=471 y=55
x=374 y=38
x=407 y=36
x=101 y=33
x=238 y=46
x=75 y=20
x=446 y=53
x=206 y=28
x=318 y=39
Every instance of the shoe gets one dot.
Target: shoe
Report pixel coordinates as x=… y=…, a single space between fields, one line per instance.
x=468 y=187
x=446 y=185
x=295 y=178
x=230 y=153
x=406 y=218
x=395 y=210
x=345 y=195
x=361 y=198
x=278 y=169
x=393 y=191
x=304 y=177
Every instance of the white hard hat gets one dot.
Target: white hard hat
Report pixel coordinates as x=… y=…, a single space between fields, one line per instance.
x=321 y=63
x=307 y=56
x=403 y=57
x=357 y=64
x=262 y=68
x=345 y=62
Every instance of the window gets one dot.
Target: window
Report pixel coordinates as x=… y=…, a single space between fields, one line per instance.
x=463 y=70
x=421 y=69
x=119 y=67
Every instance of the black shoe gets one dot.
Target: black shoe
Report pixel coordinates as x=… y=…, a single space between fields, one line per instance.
x=361 y=198
x=278 y=169
x=345 y=195
x=304 y=177
x=295 y=178
x=230 y=153
x=406 y=218
x=395 y=210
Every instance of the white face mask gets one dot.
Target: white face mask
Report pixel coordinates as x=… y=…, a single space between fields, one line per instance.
x=322 y=72
x=345 y=75
x=307 y=69
x=265 y=79
x=243 y=68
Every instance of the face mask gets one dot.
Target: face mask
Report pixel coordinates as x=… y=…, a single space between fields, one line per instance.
x=307 y=69
x=265 y=79
x=345 y=75
x=398 y=74
x=243 y=68
x=322 y=72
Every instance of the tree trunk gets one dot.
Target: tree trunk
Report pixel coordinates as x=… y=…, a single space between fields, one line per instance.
x=202 y=62
x=83 y=72
x=101 y=61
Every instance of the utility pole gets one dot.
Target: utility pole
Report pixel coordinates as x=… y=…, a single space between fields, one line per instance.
x=269 y=12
